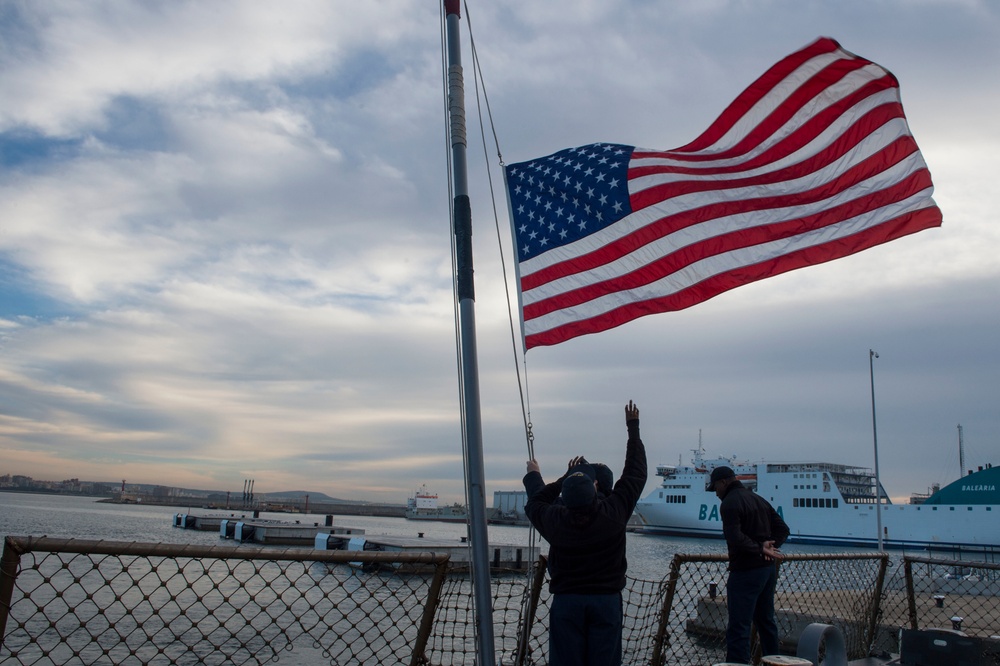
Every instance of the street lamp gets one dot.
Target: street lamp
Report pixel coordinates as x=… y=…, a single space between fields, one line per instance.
x=872 y=355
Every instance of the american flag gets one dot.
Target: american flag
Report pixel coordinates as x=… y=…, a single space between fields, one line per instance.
x=813 y=162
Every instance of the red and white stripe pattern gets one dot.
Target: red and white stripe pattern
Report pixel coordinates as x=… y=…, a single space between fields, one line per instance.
x=813 y=162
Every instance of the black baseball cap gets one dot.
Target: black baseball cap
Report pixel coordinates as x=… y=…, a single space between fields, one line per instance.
x=718 y=474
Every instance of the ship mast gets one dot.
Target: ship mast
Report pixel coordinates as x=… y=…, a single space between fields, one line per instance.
x=961 y=453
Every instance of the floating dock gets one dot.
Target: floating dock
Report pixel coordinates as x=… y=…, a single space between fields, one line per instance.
x=207 y=522
x=502 y=556
x=253 y=529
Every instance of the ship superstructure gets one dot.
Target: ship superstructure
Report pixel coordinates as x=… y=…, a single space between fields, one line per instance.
x=829 y=503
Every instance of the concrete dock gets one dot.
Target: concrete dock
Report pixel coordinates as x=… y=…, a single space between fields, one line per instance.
x=502 y=556
x=209 y=522
x=253 y=529
x=799 y=610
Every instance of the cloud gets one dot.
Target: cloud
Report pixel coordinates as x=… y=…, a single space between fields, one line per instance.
x=225 y=246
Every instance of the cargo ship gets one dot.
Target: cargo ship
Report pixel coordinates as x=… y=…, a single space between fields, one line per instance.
x=830 y=504
x=423 y=505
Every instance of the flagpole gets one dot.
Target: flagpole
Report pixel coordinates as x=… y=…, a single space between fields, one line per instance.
x=469 y=381
x=872 y=355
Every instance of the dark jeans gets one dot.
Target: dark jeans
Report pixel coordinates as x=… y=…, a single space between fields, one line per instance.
x=585 y=630
x=750 y=597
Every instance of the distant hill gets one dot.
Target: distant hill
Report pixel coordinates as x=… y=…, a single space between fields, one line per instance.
x=300 y=494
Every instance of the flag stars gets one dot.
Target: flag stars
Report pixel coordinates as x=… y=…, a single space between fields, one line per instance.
x=563 y=197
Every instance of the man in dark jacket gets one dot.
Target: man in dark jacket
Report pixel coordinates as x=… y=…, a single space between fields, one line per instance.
x=586 y=561
x=754 y=531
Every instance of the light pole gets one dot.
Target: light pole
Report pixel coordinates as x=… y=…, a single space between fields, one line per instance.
x=872 y=355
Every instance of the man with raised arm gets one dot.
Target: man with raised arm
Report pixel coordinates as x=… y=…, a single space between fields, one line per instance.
x=586 y=561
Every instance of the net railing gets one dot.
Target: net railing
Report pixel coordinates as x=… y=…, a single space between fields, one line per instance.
x=958 y=597
x=98 y=602
x=89 y=602
x=681 y=619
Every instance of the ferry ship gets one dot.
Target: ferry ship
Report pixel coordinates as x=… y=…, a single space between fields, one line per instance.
x=829 y=504
x=424 y=506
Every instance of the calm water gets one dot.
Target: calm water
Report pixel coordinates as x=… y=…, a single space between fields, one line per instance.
x=67 y=517
x=59 y=516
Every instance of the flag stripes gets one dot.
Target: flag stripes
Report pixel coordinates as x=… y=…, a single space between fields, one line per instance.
x=813 y=162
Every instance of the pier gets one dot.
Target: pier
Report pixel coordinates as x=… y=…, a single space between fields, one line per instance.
x=503 y=557
x=794 y=611
x=265 y=532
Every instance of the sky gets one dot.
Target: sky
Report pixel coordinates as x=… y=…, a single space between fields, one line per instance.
x=225 y=248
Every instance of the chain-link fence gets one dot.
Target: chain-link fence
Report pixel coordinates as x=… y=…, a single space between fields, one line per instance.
x=85 y=602
x=954 y=595
x=681 y=619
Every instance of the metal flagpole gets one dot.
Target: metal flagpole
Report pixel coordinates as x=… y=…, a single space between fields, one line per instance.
x=872 y=355
x=469 y=385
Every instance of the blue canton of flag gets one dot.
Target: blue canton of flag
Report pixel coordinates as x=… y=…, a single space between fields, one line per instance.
x=568 y=195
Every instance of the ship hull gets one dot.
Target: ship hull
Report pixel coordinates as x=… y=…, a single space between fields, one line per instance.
x=825 y=504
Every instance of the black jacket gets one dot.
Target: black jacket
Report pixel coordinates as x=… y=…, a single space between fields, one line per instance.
x=587 y=544
x=747 y=522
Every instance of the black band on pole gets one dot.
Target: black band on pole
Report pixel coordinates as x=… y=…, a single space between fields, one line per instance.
x=453 y=7
x=463 y=247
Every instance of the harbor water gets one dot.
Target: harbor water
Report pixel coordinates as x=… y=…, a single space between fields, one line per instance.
x=68 y=517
